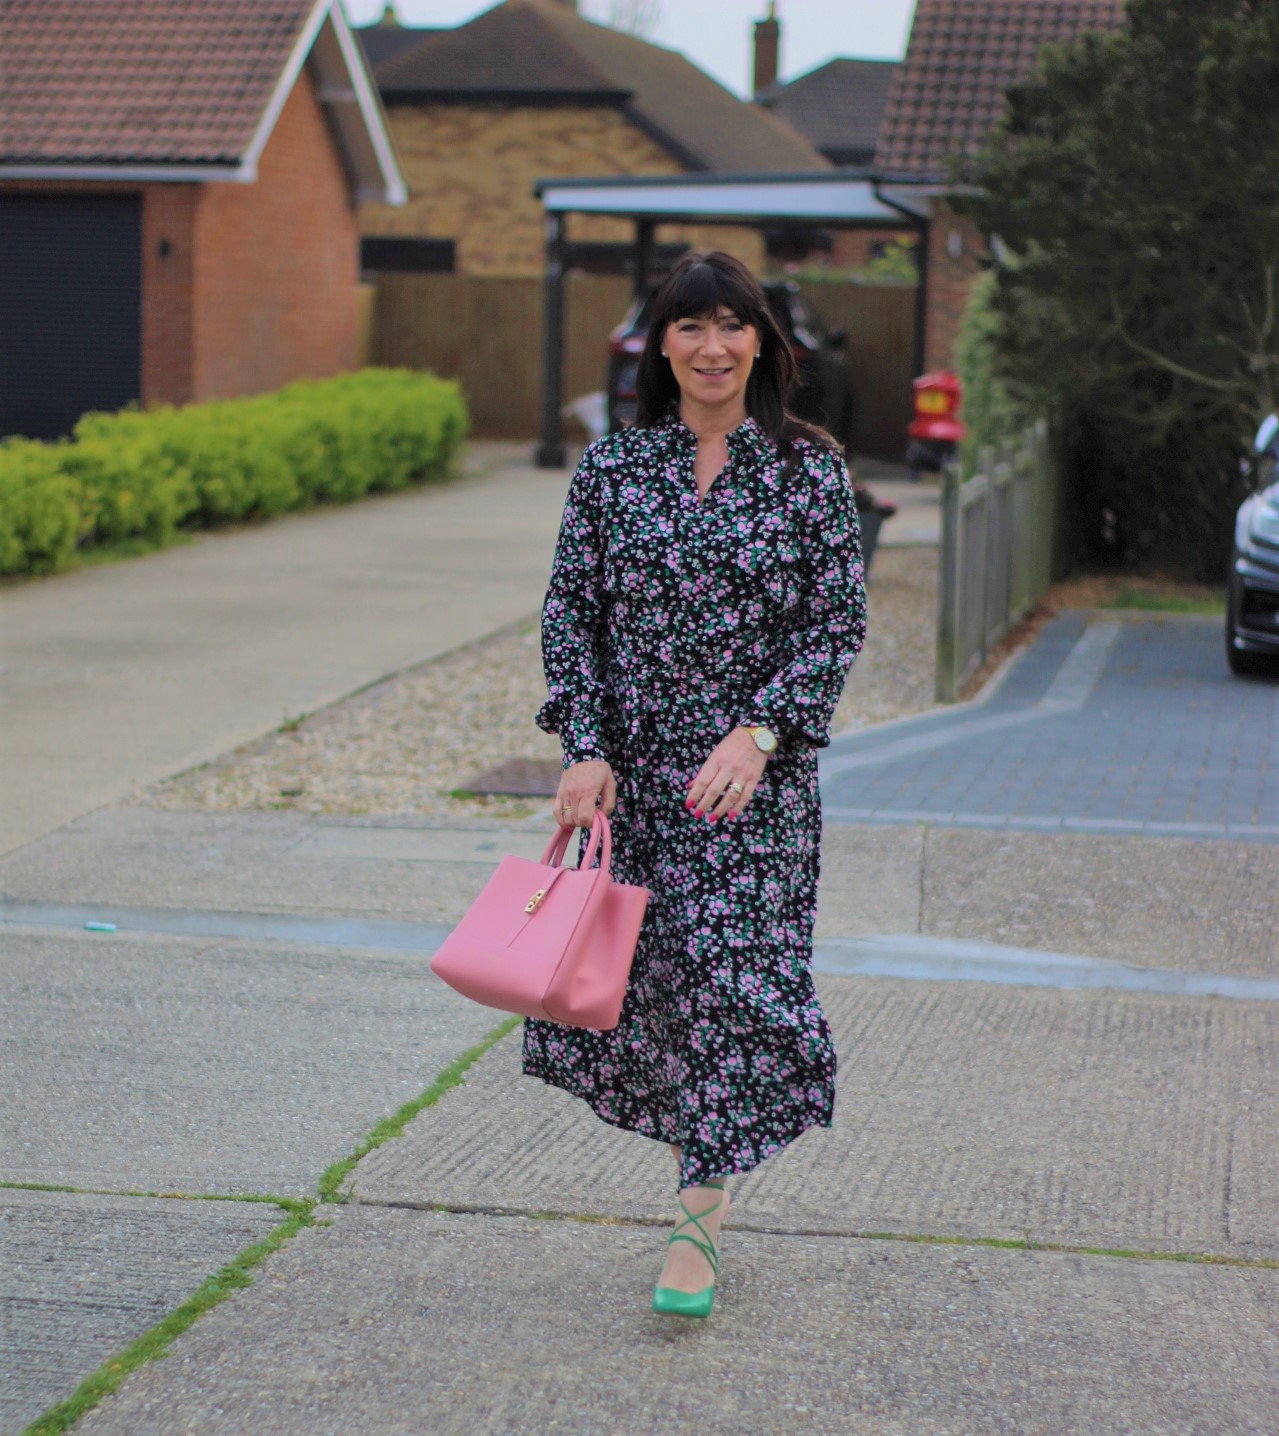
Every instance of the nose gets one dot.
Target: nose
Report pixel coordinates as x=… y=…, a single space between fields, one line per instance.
x=714 y=342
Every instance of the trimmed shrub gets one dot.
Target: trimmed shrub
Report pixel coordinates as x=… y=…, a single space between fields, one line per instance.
x=44 y=511
x=144 y=475
x=991 y=415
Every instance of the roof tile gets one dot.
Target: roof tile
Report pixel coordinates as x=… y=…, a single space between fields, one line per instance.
x=838 y=107
x=963 y=55
x=140 y=81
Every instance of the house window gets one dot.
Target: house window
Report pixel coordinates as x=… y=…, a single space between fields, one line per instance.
x=393 y=254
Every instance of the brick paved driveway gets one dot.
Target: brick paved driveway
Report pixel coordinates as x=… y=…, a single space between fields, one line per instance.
x=1104 y=725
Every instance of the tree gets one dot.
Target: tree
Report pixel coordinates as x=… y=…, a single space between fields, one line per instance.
x=636 y=17
x=1132 y=195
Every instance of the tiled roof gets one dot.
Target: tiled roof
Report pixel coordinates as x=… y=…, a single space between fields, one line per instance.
x=140 y=81
x=381 y=43
x=963 y=54
x=538 y=48
x=839 y=107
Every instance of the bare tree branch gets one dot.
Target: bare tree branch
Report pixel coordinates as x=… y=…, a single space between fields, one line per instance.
x=635 y=17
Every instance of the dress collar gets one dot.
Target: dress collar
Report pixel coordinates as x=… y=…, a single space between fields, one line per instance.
x=748 y=435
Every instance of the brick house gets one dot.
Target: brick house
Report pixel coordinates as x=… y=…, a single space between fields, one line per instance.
x=944 y=99
x=530 y=89
x=179 y=182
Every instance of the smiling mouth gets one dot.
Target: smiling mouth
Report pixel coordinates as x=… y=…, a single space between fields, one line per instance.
x=715 y=373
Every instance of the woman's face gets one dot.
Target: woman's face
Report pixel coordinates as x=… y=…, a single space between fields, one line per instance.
x=711 y=358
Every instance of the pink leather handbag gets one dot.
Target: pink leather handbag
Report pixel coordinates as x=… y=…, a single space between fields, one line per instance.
x=548 y=941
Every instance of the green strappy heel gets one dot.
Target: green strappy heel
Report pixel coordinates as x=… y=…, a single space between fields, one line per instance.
x=692 y=1303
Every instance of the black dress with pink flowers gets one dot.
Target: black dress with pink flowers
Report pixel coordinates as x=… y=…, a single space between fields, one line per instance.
x=670 y=620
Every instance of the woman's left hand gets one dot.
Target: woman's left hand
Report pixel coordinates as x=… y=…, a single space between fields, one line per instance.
x=735 y=763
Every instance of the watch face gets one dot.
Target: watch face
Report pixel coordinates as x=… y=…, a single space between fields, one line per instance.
x=765 y=739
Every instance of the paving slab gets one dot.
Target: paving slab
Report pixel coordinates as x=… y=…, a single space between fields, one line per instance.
x=1088 y=1118
x=400 y=1322
x=83 y=1276
x=264 y=862
x=1170 y=903
x=178 y=1065
x=1161 y=902
x=118 y=676
x=391 y=868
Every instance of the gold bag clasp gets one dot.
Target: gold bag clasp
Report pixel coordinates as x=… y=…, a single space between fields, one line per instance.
x=535 y=900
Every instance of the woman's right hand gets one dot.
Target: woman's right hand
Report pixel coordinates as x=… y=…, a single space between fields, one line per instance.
x=580 y=788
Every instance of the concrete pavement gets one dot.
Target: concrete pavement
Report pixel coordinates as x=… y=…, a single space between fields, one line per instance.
x=264 y=1004
x=115 y=677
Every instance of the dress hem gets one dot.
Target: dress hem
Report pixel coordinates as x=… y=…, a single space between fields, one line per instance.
x=735 y=1169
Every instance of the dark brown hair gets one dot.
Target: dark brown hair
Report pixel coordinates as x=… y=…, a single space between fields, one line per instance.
x=698 y=287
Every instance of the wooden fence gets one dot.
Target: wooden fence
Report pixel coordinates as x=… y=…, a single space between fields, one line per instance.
x=996 y=552
x=487 y=333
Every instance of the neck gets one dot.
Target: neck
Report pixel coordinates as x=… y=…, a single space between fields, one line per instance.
x=711 y=423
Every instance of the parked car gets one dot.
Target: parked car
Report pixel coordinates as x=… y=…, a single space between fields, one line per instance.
x=823 y=394
x=1252 y=589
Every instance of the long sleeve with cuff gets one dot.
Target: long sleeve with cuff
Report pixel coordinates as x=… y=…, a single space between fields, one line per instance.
x=571 y=618
x=799 y=701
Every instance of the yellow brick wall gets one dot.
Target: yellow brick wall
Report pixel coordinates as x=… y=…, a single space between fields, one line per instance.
x=470 y=170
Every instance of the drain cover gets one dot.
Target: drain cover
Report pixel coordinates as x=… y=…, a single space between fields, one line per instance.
x=519 y=778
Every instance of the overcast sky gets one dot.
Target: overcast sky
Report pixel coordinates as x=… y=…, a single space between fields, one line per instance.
x=716 y=34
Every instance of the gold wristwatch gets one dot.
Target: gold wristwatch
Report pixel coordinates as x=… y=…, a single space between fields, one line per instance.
x=765 y=740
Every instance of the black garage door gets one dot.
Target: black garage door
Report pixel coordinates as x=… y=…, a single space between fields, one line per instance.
x=70 y=309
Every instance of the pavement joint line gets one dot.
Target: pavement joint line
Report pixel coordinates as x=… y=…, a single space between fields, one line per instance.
x=156 y=1340
x=1014 y=823
x=941 y=1239
x=907 y=957
x=301 y=1212
x=288 y=1204
x=390 y=1127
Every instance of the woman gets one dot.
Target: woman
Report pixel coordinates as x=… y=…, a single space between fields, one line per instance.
x=705 y=605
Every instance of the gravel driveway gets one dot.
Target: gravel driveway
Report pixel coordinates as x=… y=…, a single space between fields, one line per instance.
x=407 y=745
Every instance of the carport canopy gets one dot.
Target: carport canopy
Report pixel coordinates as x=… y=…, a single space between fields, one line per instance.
x=845 y=199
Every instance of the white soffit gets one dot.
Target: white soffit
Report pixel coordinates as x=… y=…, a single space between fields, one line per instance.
x=783 y=199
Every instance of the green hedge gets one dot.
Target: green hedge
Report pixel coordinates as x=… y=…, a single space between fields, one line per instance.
x=991 y=415
x=143 y=476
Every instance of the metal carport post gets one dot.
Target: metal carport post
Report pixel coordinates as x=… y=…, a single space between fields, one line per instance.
x=845 y=199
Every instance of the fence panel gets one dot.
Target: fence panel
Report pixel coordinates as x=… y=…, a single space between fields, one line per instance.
x=487 y=333
x=880 y=323
x=997 y=541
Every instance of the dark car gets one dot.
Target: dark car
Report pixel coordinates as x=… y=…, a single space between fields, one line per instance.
x=1252 y=592
x=824 y=391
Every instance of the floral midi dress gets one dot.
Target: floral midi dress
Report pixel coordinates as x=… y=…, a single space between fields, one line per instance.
x=669 y=621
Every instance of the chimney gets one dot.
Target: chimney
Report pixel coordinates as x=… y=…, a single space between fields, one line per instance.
x=768 y=44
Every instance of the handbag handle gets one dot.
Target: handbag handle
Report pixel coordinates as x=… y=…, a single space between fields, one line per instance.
x=601 y=840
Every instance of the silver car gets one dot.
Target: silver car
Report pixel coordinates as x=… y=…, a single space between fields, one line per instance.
x=1252 y=594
